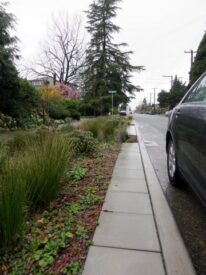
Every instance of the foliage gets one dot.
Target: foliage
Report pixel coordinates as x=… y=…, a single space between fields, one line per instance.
x=177 y=92
x=77 y=173
x=73 y=107
x=199 y=65
x=9 y=85
x=49 y=93
x=28 y=100
x=17 y=97
x=57 y=109
x=12 y=203
x=123 y=135
x=99 y=105
x=90 y=197
x=172 y=98
x=3 y=156
x=107 y=67
x=68 y=91
x=164 y=99
x=84 y=143
x=20 y=141
x=102 y=128
x=64 y=230
x=7 y=121
x=45 y=164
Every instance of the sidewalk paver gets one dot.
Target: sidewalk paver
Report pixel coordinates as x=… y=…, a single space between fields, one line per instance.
x=126 y=202
x=126 y=173
x=110 y=261
x=130 y=185
x=129 y=231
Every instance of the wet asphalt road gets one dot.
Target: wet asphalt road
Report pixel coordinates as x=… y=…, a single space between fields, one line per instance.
x=190 y=215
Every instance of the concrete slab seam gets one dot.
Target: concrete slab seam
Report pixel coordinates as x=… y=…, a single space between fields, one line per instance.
x=128 y=249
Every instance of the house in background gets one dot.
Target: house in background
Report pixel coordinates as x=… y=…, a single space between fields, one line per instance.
x=68 y=91
x=42 y=81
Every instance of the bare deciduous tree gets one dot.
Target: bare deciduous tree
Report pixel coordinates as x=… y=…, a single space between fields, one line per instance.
x=62 y=54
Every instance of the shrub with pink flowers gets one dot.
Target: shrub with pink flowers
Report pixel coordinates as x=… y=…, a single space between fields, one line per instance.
x=68 y=91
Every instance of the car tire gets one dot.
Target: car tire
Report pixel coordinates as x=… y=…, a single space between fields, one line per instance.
x=172 y=167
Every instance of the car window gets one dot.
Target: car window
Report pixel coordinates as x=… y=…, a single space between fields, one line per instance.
x=199 y=93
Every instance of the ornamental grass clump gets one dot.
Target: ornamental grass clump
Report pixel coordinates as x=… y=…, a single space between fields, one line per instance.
x=108 y=129
x=102 y=128
x=20 y=141
x=93 y=126
x=12 y=203
x=45 y=164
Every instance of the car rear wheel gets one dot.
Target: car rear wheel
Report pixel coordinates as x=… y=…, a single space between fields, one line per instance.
x=172 y=167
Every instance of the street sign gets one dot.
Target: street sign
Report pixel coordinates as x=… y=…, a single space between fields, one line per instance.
x=112 y=92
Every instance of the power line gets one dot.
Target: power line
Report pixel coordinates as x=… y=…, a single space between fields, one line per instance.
x=154 y=97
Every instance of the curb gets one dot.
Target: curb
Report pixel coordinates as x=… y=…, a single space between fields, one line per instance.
x=175 y=255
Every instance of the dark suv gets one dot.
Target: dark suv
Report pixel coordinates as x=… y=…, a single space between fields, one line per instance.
x=186 y=140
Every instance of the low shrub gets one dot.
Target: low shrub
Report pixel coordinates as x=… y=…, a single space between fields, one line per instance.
x=45 y=163
x=93 y=126
x=123 y=135
x=102 y=128
x=12 y=203
x=84 y=143
x=57 y=110
x=108 y=128
x=77 y=173
x=75 y=115
x=7 y=121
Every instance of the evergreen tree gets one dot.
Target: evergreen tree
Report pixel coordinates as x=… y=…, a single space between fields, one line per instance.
x=107 y=67
x=164 y=99
x=17 y=96
x=199 y=65
x=177 y=92
x=9 y=84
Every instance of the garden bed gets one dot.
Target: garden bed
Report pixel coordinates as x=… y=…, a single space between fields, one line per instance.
x=57 y=238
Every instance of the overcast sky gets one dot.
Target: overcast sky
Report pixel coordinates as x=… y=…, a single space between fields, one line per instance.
x=158 y=31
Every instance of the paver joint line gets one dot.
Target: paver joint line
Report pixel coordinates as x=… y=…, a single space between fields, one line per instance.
x=128 y=249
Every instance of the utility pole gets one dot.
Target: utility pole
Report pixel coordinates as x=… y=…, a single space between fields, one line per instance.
x=150 y=99
x=154 y=97
x=191 y=52
x=171 y=77
x=112 y=93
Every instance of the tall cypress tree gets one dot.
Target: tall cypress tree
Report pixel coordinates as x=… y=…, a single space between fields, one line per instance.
x=199 y=65
x=107 y=66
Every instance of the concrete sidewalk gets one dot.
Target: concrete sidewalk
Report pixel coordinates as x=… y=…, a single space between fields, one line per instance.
x=137 y=234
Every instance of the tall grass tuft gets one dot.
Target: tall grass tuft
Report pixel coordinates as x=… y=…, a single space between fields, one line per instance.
x=12 y=203
x=45 y=164
x=102 y=128
x=19 y=142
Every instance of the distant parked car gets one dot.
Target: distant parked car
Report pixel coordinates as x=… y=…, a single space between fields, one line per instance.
x=186 y=140
x=123 y=113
